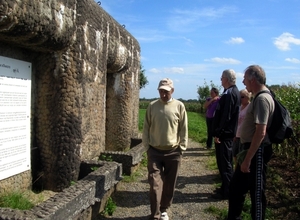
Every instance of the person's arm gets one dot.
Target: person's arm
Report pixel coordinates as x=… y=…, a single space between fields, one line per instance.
x=207 y=102
x=146 y=128
x=183 y=129
x=257 y=139
x=222 y=115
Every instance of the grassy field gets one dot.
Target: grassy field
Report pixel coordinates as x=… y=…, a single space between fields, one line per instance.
x=196 y=125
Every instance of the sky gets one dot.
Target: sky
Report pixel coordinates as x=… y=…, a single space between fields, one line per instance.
x=193 y=41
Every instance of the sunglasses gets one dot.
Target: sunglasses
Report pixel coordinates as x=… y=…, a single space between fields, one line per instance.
x=242 y=97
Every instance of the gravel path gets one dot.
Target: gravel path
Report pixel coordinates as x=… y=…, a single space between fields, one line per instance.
x=194 y=188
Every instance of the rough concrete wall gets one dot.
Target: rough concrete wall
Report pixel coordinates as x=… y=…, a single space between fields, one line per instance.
x=46 y=25
x=122 y=99
x=100 y=35
x=86 y=77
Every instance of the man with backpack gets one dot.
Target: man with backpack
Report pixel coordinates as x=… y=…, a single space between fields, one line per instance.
x=257 y=149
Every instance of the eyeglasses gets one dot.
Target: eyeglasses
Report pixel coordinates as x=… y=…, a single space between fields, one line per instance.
x=242 y=97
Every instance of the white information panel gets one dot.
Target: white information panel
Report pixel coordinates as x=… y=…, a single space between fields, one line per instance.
x=15 y=95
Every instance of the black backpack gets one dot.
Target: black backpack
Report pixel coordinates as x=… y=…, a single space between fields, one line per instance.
x=281 y=125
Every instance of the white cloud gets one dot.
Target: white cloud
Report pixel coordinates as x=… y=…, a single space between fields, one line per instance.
x=151 y=38
x=284 y=41
x=292 y=60
x=189 y=20
x=223 y=60
x=188 y=41
x=174 y=70
x=154 y=70
x=167 y=70
x=235 y=40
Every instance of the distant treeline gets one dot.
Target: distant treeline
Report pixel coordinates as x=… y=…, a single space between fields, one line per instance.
x=191 y=105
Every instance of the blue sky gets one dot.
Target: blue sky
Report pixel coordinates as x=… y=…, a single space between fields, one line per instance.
x=193 y=41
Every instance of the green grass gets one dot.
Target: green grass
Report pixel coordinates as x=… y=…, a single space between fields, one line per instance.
x=132 y=177
x=138 y=173
x=220 y=213
x=110 y=207
x=197 y=127
x=15 y=200
x=142 y=113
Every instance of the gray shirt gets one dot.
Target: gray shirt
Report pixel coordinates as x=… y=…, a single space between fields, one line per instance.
x=259 y=112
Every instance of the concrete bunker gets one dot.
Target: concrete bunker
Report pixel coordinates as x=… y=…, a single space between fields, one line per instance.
x=85 y=85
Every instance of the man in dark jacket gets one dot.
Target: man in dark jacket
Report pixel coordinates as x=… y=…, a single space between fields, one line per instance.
x=224 y=129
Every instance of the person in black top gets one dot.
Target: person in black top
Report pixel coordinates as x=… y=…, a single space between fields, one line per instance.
x=224 y=130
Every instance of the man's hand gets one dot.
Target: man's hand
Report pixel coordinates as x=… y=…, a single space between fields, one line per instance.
x=245 y=166
x=217 y=141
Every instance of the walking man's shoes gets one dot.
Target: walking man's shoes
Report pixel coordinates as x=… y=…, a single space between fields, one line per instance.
x=164 y=216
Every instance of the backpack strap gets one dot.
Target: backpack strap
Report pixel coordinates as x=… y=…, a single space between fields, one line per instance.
x=271 y=93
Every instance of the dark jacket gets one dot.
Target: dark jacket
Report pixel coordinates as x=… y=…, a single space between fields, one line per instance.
x=227 y=114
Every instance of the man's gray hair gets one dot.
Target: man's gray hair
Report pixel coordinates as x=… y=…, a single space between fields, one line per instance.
x=257 y=72
x=230 y=75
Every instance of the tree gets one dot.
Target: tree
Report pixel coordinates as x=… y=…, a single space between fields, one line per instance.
x=143 y=78
x=204 y=92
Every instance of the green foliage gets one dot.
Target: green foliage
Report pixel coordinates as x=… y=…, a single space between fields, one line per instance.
x=110 y=207
x=144 y=161
x=190 y=105
x=143 y=104
x=246 y=212
x=15 y=200
x=72 y=182
x=203 y=93
x=94 y=168
x=194 y=106
x=106 y=157
x=143 y=78
x=285 y=195
x=132 y=177
x=220 y=213
x=289 y=96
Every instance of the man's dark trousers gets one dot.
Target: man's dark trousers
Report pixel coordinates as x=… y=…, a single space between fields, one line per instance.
x=209 y=123
x=224 y=162
x=255 y=181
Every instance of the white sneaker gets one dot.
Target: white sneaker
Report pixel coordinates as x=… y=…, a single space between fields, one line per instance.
x=164 y=216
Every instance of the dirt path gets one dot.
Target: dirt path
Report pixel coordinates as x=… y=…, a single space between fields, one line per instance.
x=194 y=188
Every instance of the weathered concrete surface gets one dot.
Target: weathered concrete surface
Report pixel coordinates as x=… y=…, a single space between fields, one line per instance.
x=129 y=159
x=88 y=197
x=83 y=200
x=85 y=83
